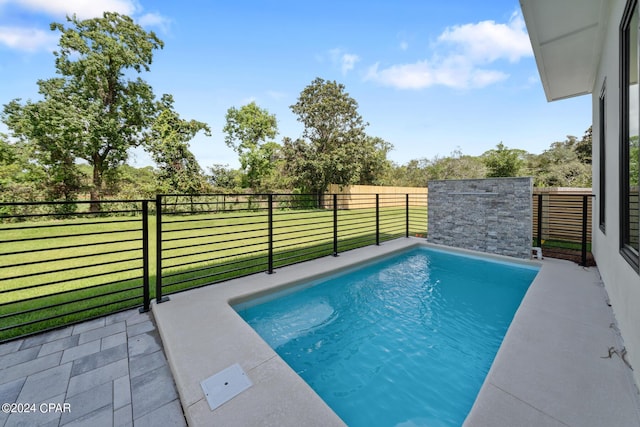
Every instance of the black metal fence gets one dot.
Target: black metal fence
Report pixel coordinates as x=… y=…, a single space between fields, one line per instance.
x=211 y=238
x=60 y=263
x=562 y=225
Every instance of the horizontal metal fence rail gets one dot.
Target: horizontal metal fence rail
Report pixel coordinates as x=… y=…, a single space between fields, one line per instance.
x=562 y=224
x=60 y=263
x=210 y=238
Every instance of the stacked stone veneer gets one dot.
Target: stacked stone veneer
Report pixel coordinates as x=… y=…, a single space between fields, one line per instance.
x=491 y=215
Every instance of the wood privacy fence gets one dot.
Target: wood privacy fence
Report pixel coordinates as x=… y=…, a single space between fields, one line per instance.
x=562 y=221
x=359 y=196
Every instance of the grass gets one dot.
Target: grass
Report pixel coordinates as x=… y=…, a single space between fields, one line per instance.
x=58 y=272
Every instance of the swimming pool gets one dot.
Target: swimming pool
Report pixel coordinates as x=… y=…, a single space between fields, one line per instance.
x=405 y=341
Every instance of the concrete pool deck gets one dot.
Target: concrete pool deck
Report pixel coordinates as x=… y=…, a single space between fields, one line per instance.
x=559 y=365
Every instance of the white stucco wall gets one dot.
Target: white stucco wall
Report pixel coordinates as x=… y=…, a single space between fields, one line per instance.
x=621 y=281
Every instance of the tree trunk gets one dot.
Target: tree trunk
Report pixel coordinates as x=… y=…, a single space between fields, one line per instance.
x=96 y=188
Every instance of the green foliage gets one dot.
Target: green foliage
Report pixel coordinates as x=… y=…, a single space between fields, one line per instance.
x=634 y=161
x=333 y=145
x=20 y=179
x=456 y=166
x=129 y=183
x=248 y=132
x=375 y=166
x=504 y=161
x=564 y=164
x=167 y=141
x=93 y=111
x=583 y=147
x=223 y=177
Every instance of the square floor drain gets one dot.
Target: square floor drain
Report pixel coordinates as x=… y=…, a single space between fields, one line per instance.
x=225 y=385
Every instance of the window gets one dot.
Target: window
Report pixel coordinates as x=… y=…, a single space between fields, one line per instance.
x=602 y=196
x=629 y=123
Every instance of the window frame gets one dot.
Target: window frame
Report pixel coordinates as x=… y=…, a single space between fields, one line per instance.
x=626 y=250
x=602 y=120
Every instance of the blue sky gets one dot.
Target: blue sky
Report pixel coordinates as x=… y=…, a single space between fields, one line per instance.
x=430 y=76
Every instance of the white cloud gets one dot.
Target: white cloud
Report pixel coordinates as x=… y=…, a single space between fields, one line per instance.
x=82 y=8
x=461 y=58
x=27 y=39
x=404 y=45
x=453 y=73
x=154 y=20
x=33 y=39
x=346 y=61
x=488 y=41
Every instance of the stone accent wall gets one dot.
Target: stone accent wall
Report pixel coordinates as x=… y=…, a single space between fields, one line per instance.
x=491 y=215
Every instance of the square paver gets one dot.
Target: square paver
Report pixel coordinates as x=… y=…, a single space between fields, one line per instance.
x=102 y=417
x=58 y=345
x=21 y=356
x=9 y=391
x=138 y=318
x=96 y=334
x=144 y=363
x=88 y=325
x=139 y=328
x=31 y=367
x=152 y=390
x=99 y=359
x=113 y=340
x=169 y=415
x=83 y=382
x=10 y=347
x=79 y=351
x=45 y=384
x=146 y=343
x=92 y=399
x=45 y=337
x=39 y=418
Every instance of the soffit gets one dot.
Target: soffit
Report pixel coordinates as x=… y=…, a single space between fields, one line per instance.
x=566 y=37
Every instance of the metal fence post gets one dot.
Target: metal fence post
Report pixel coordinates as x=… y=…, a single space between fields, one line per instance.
x=270 y=227
x=407 y=215
x=335 y=224
x=539 y=237
x=145 y=257
x=159 y=297
x=377 y=220
x=585 y=202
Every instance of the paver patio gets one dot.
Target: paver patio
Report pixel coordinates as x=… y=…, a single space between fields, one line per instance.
x=110 y=371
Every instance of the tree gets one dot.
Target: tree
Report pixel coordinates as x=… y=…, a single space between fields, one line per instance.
x=93 y=111
x=222 y=176
x=168 y=142
x=564 y=164
x=455 y=166
x=584 y=146
x=504 y=161
x=332 y=146
x=375 y=166
x=249 y=130
x=20 y=179
x=33 y=126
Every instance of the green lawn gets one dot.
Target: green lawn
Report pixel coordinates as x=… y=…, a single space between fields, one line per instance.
x=61 y=271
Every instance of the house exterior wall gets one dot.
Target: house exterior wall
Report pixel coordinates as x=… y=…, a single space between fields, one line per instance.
x=621 y=281
x=488 y=215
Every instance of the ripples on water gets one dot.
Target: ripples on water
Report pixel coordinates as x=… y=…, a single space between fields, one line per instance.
x=404 y=342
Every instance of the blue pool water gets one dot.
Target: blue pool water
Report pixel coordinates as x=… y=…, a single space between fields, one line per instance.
x=406 y=341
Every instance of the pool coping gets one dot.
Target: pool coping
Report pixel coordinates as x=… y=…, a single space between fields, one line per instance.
x=278 y=395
